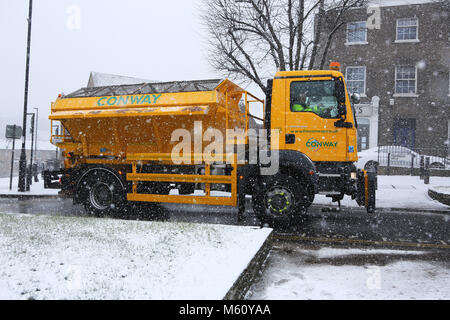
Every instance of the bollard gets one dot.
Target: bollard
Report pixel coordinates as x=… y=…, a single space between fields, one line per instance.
x=422 y=163
x=28 y=178
x=413 y=156
x=389 y=164
x=426 y=177
x=35 y=172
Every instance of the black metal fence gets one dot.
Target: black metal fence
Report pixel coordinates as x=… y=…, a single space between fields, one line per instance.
x=419 y=158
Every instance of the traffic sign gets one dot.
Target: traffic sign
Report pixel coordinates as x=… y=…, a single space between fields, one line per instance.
x=10 y=134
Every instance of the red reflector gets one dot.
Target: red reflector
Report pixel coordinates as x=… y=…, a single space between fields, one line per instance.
x=311 y=172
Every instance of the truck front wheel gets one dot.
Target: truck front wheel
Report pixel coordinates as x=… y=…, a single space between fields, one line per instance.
x=279 y=199
x=103 y=194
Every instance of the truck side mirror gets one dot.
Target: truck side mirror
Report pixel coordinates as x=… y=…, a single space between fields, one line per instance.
x=356 y=98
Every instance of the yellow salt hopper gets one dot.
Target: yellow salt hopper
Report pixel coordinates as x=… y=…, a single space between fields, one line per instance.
x=136 y=129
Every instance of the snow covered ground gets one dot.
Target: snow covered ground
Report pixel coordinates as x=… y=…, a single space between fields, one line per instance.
x=37 y=188
x=400 y=192
x=53 y=257
x=334 y=273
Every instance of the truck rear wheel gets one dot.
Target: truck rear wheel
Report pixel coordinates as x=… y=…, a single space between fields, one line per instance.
x=103 y=194
x=279 y=199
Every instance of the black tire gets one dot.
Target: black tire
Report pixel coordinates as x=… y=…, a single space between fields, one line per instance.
x=102 y=193
x=279 y=199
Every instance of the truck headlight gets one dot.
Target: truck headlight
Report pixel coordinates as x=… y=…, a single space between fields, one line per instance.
x=353 y=175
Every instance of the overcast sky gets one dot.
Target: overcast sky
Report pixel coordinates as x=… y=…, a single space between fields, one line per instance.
x=158 y=40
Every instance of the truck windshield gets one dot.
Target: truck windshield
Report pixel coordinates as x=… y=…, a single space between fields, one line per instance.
x=314 y=96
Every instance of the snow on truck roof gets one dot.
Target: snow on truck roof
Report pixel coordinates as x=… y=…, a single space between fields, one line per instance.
x=147 y=88
x=99 y=79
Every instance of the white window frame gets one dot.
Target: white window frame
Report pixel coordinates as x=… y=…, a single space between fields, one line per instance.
x=411 y=95
x=363 y=94
x=407 y=40
x=355 y=42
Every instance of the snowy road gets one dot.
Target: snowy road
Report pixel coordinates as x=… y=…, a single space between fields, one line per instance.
x=351 y=223
x=300 y=271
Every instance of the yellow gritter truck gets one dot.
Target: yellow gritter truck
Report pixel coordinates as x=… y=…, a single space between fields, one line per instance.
x=118 y=145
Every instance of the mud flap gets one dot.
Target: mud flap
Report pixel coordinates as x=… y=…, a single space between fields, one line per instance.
x=371 y=191
x=366 y=185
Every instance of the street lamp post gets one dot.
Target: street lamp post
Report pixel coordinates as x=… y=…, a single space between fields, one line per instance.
x=23 y=156
x=30 y=167
x=35 y=166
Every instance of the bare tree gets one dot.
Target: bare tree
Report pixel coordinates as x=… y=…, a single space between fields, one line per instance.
x=250 y=39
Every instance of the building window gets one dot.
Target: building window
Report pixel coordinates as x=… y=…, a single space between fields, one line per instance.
x=405 y=133
x=407 y=29
x=405 y=80
x=356 y=32
x=356 y=80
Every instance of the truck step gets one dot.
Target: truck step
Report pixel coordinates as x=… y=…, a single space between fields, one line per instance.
x=329 y=175
x=330 y=193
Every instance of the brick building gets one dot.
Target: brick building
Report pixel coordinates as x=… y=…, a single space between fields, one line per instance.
x=396 y=54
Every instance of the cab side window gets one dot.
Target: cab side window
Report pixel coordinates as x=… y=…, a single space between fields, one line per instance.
x=314 y=96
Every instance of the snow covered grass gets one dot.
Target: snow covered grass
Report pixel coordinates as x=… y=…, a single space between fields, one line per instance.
x=54 y=257
x=331 y=273
x=37 y=188
x=400 y=192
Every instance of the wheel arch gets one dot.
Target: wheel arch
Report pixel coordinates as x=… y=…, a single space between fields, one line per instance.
x=299 y=165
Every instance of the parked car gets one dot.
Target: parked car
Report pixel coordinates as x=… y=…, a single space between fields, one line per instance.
x=399 y=157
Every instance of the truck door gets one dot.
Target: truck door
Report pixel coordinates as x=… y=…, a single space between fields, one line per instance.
x=311 y=111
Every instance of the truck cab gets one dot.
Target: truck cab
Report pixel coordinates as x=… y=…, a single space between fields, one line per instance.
x=312 y=110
